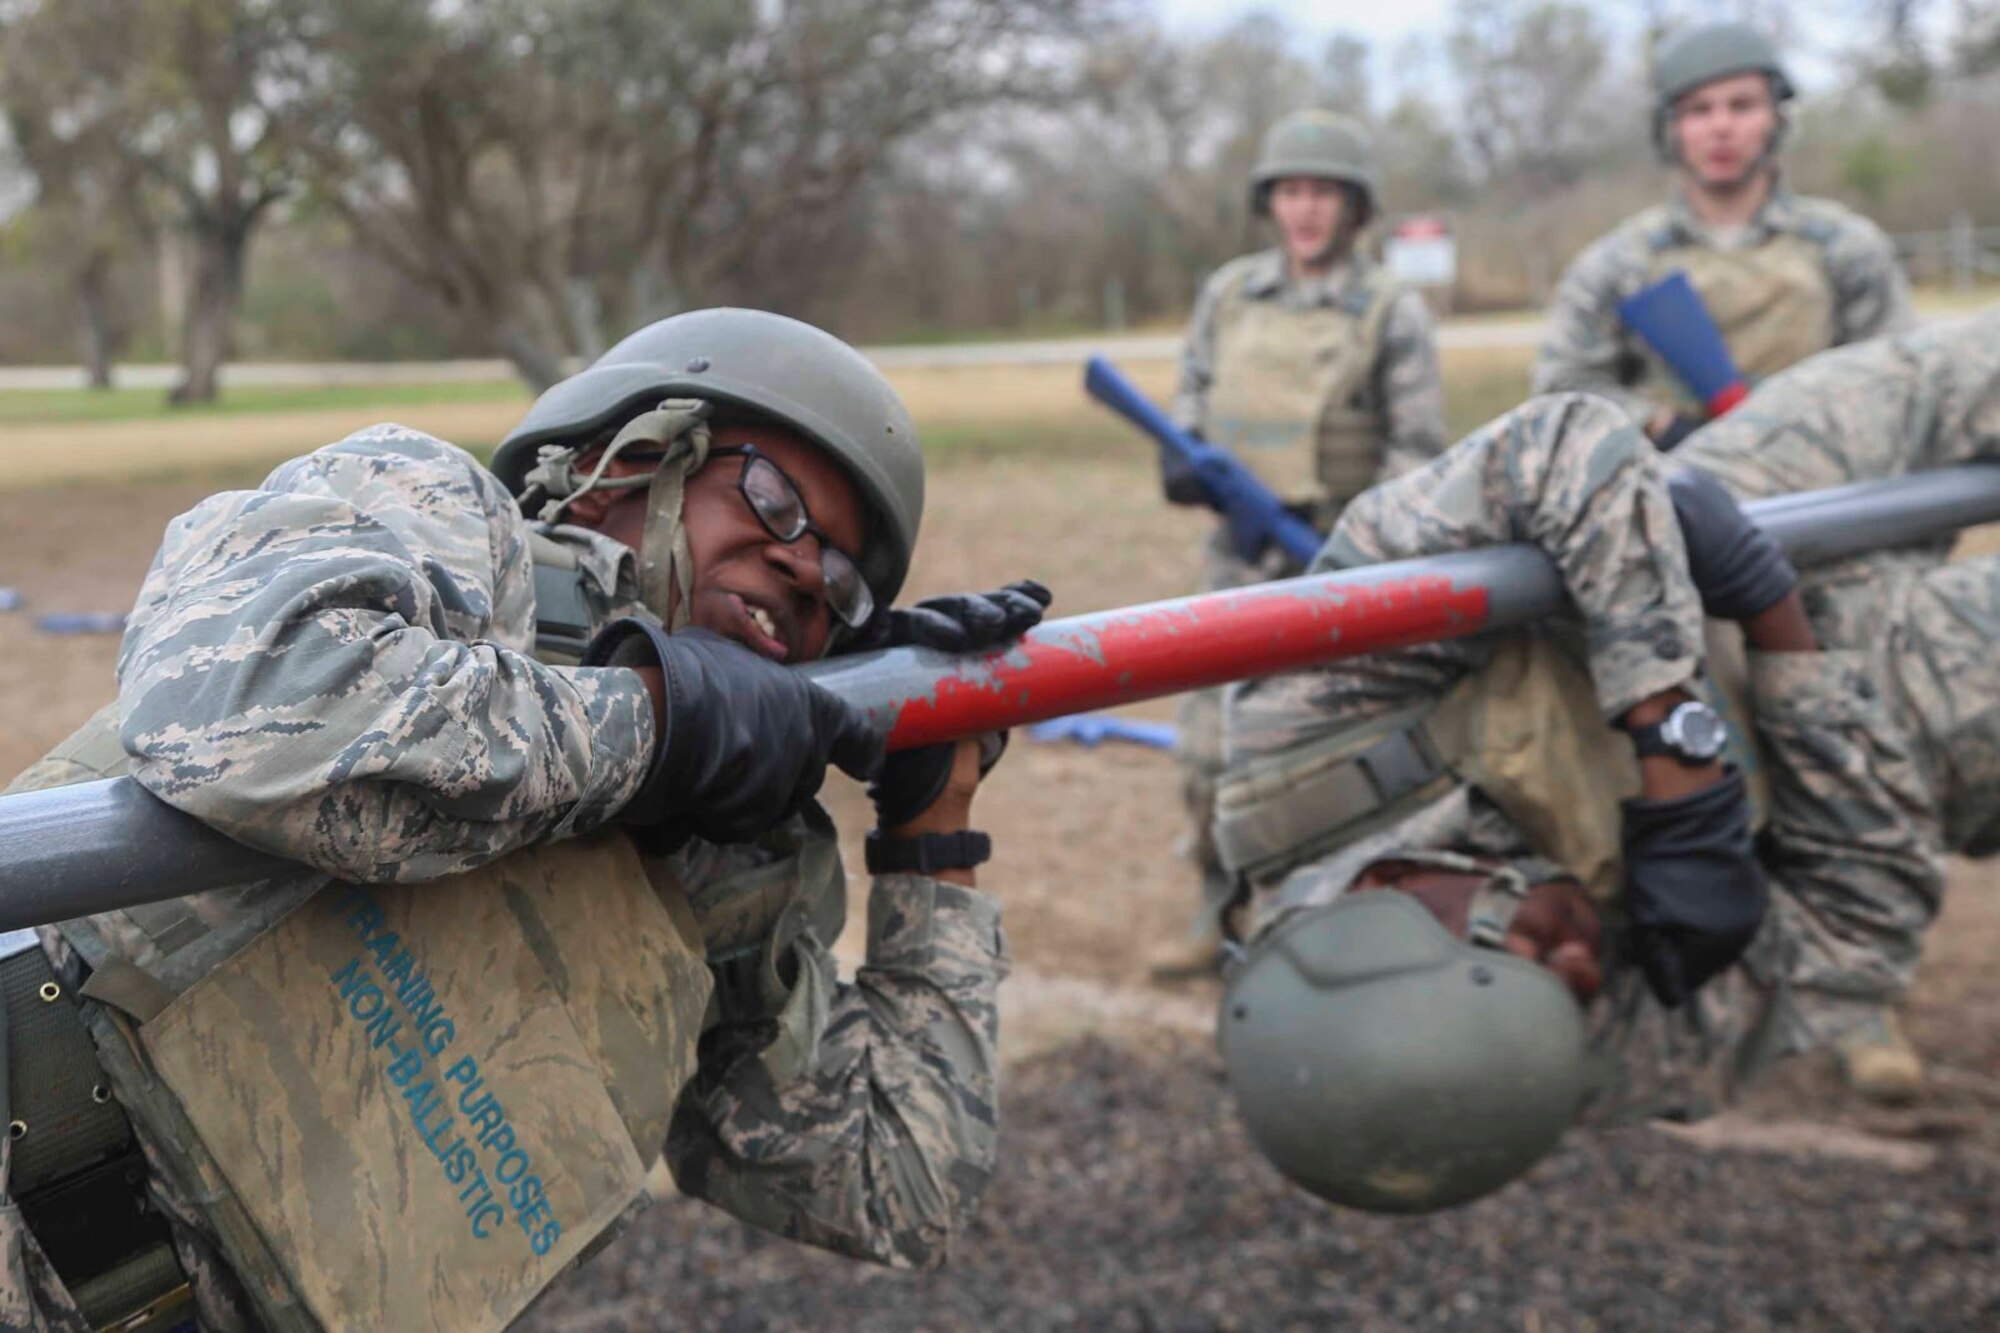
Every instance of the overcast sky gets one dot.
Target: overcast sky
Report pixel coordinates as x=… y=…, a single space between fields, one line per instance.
x=1385 y=23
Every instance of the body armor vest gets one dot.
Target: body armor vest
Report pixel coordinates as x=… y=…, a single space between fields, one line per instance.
x=1772 y=302
x=413 y=1106
x=1292 y=395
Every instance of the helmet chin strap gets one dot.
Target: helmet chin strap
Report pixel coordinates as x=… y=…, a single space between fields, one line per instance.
x=678 y=429
x=666 y=567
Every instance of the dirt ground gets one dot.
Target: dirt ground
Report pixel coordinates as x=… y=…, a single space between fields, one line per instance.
x=1128 y=1197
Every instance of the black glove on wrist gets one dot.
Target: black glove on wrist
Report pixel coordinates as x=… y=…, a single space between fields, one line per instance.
x=1694 y=892
x=1178 y=479
x=965 y=622
x=1678 y=429
x=911 y=779
x=746 y=743
x=1737 y=568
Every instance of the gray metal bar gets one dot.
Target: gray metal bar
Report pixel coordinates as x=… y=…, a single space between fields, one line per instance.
x=73 y=851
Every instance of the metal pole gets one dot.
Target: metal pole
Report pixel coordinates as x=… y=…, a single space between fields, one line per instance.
x=72 y=851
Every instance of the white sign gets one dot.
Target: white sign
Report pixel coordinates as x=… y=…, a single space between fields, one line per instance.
x=1421 y=252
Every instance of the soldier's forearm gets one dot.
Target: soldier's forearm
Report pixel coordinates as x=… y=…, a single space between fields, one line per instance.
x=1781 y=627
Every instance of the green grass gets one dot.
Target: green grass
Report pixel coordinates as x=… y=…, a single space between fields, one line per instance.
x=1480 y=385
x=19 y=407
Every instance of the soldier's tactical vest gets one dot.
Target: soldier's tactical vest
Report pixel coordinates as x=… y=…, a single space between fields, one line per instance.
x=1292 y=395
x=413 y=1106
x=1773 y=302
x=1525 y=730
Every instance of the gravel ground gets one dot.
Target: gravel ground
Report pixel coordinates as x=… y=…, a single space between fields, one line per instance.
x=1130 y=1199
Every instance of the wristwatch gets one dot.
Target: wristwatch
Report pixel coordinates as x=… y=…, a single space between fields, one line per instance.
x=1692 y=734
x=927 y=853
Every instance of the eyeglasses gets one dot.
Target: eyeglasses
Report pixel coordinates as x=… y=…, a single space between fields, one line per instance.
x=776 y=502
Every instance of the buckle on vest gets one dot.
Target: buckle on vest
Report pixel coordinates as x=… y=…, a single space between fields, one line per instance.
x=1400 y=762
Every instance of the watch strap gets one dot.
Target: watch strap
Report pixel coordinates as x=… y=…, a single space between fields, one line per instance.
x=927 y=853
x=1651 y=740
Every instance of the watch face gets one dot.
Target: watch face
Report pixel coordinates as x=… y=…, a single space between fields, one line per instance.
x=1695 y=731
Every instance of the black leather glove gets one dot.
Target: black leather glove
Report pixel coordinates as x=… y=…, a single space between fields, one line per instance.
x=746 y=743
x=911 y=779
x=965 y=622
x=1178 y=479
x=959 y=622
x=1738 y=569
x=1694 y=891
x=1678 y=428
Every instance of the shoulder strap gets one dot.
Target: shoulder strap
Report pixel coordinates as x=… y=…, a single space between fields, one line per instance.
x=562 y=612
x=1326 y=794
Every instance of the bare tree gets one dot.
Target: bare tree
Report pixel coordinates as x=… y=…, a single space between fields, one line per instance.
x=1526 y=72
x=87 y=212
x=1344 y=80
x=191 y=94
x=557 y=170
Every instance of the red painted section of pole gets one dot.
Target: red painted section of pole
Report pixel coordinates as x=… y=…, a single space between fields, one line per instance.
x=1168 y=647
x=1727 y=399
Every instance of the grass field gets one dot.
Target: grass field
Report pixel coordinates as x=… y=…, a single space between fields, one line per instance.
x=41 y=407
x=52 y=437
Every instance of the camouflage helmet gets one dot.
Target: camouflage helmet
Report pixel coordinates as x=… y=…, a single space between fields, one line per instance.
x=1703 y=55
x=1382 y=1064
x=780 y=368
x=1322 y=144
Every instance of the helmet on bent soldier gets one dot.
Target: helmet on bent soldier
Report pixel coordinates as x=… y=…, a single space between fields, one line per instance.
x=658 y=389
x=1384 y=1064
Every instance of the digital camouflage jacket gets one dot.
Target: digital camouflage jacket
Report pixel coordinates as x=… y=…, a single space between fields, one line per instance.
x=336 y=667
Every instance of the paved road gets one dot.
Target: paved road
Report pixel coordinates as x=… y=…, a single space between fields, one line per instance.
x=1052 y=351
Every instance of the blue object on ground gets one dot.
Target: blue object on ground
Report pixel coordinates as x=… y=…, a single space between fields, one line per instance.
x=10 y=599
x=1095 y=728
x=82 y=622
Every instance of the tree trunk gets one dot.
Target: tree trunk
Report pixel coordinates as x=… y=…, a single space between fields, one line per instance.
x=93 y=299
x=586 y=315
x=215 y=292
x=538 y=365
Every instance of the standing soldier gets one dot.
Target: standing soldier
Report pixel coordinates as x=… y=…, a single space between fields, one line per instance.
x=1320 y=373
x=1783 y=276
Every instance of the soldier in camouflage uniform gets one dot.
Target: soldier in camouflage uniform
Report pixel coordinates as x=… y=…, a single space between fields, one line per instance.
x=1312 y=366
x=411 y=1083
x=1784 y=276
x=1875 y=727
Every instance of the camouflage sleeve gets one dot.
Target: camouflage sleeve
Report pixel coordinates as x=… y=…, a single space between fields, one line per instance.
x=1853 y=843
x=1410 y=388
x=1584 y=348
x=333 y=667
x=1198 y=359
x=1926 y=398
x=881 y=1148
x=1570 y=474
x=1870 y=294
